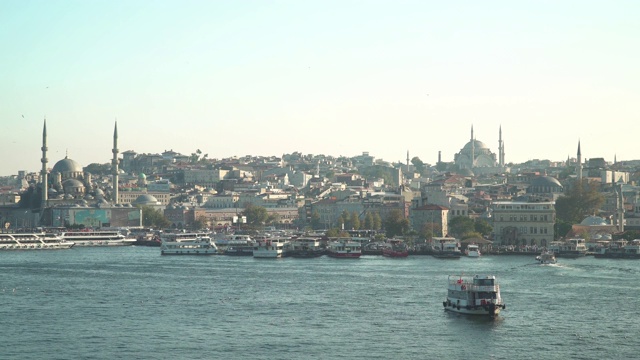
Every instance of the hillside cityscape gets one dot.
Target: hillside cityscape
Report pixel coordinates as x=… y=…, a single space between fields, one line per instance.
x=526 y=204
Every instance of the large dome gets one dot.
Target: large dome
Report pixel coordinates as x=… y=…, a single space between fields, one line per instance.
x=542 y=181
x=66 y=165
x=477 y=145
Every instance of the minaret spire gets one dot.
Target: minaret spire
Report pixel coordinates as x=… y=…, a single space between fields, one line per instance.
x=114 y=163
x=579 y=163
x=500 y=148
x=473 y=149
x=43 y=172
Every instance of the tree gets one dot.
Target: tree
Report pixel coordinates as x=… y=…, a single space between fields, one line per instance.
x=200 y=223
x=483 y=227
x=429 y=230
x=256 y=215
x=377 y=221
x=396 y=224
x=461 y=225
x=420 y=167
x=346 y=217
x=581 y=200
x=153 y=218
x=368 y=221
x=355 y=221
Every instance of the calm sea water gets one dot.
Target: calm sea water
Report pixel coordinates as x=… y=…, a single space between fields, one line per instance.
x=132 y=303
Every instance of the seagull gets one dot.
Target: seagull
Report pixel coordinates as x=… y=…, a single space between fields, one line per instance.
x=23 y=116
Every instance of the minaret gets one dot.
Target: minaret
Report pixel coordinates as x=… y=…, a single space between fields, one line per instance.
x=43 y=172
x=500 y=149
x=620 y=210
x=613 y=171
x=473 y=149
x=579 y=163
x=407 y=161
x=114 y=164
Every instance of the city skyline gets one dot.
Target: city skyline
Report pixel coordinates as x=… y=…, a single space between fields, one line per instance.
x=333 y=78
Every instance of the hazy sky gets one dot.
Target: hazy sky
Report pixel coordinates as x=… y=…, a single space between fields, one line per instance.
x=319 y=77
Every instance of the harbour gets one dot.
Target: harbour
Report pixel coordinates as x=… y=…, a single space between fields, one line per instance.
x=130 y=302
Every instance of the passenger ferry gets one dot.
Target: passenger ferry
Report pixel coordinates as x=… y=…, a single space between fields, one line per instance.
x=33 y=241
x=270 y=248
x=395 y=248
x=570 y=248
x=345 y=249
x=305 y=247
x=187 y=244
x=477 y=295
x=447 y=248
x=619 y=249
x=98 y=238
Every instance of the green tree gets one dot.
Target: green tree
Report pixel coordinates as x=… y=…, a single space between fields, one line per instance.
x=461 y=225
x=347 y=220
x=377 y=221
x=483 y=227
x=580 y=200
x=420 y=167
x=396 y=224
x=256 y=216
x=153 y=218
x=429 y=230
x=355 y=221
x=200 y=223
x=368 y=221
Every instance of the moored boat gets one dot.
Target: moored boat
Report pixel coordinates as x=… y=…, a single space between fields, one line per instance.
x=345 y=249
x=33 y=241
x=97 y=238
x=448 y=248
x=477 y=295
x=473 y=250
x=269 y=248
x=570 y=248
x=305 y=247
x=395 y=248
x=187 y=244
x=620 y=249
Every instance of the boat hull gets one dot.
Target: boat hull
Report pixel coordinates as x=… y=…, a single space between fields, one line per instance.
x=189 y=252
x=338 y=255
x=491 y=310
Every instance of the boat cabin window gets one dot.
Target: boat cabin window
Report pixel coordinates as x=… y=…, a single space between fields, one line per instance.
x=483 y=282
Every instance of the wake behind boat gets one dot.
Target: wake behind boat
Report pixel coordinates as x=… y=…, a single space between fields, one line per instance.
x=477 y=295
x=546 y=257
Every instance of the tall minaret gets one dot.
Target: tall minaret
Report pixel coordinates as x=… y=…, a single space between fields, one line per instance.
x=114 y=164
x=500 y=149
x=620 y=210
x=407 y=161
x=473 y=149
x=613 y=171
x=579 y=163
x=43 y=172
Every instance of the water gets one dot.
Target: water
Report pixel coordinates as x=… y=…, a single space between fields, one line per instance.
x=130 y=302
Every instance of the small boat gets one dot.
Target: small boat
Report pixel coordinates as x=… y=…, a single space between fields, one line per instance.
x=270 y=248
x=187 y=244
x=305 y=247
x=546 y=257
x=395 y=248
x=477 y=295
x=473 y=250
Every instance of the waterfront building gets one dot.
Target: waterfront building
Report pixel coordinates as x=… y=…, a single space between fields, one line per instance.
x=523 y=223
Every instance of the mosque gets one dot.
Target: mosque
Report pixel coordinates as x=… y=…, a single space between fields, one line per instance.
x=478 y=158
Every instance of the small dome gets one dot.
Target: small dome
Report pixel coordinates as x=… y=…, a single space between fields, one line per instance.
x=66 y=165
x=477 y=145
x=541 y=181
x=142 y=176
x=72 y=183
x=594 y=221
x=146 y=199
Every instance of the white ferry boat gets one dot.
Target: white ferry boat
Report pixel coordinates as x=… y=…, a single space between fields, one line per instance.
x=305 y=247
x=33 y=241
x=187 y=244
x=473 y=250
x=345 y=249
x=98 y=238
x=270 y=248
x=546 y=257
x=477 y=295
x=570 y=248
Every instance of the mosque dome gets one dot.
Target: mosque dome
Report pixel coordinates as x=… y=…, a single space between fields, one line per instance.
x=477 y=145
x=66 y=165
x=142 y=176
x=594 y=221
x=146 y=199
x=545 y=181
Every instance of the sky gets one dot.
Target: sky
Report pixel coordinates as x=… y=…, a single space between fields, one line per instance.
x=340 y=78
